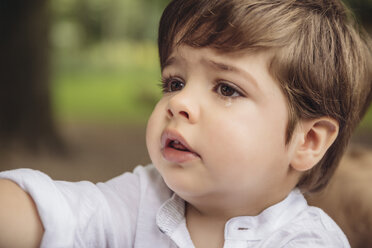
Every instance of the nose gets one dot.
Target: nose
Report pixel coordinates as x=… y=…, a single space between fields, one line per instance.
x=184 y=106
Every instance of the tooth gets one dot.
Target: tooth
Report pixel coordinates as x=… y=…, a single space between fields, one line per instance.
x=176 y=142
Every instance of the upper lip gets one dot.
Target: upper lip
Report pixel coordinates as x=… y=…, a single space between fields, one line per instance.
x=172 y=135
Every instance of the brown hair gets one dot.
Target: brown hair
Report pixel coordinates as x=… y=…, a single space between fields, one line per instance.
x=322 y=60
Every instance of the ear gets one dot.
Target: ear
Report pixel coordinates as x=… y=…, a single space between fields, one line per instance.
x=314 y=137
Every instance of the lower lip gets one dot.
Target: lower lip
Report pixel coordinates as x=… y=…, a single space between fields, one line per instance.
x=176 y=156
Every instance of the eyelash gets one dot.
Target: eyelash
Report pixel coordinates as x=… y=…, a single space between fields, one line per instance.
x=166 y=81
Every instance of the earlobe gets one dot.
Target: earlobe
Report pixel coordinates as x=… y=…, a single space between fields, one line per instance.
x=315 y=137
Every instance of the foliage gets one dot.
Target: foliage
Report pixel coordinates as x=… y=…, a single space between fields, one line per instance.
x=108 y=82
x=82 y=22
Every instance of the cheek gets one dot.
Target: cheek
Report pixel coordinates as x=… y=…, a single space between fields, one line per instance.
x=245 y=140
x=153 y=132
x=232 y=144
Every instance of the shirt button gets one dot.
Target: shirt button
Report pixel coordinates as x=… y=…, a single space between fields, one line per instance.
x=243 y=228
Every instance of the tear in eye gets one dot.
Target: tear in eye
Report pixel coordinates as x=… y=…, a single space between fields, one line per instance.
x=226 y=90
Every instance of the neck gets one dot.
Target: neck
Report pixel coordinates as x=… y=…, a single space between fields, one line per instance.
x=225 y=207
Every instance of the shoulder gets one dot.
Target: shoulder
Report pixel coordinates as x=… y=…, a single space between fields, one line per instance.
x=312 y=228
x=137 y=191
x=144 y=180
x=293 y=223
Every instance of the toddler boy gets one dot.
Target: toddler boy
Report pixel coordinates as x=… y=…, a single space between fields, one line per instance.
x=259 y=101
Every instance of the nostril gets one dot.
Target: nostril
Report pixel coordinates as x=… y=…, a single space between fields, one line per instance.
x=180 y=113
x=185 y=114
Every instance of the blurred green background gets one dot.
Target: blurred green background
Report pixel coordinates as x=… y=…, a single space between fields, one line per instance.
x=105 y=62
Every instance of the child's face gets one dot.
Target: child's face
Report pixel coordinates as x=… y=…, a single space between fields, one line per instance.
x=219 y=129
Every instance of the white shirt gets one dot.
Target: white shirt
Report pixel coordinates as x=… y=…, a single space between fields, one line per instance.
x=138 y=210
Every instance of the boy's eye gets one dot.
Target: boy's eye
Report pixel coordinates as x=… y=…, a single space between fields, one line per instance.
x=227 y=90
x=171 y=84
x=176 y=85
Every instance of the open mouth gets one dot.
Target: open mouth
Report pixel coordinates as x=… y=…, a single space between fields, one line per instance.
x=180 y=146
x=175 y=144
x=175 y=148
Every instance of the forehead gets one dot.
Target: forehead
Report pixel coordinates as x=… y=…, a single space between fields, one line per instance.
x=239 y=62
x=219 y=58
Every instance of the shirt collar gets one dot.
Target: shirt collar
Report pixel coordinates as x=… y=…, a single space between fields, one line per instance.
x=171 y=216
x=260 y=226
x=171 y=221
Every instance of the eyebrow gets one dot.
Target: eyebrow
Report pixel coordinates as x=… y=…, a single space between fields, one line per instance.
x=230 y=68
x=170 y=61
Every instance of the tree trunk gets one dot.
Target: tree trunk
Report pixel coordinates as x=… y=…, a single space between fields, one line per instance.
x=25 y=105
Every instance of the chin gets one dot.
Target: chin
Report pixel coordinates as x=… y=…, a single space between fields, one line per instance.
x=181 y=185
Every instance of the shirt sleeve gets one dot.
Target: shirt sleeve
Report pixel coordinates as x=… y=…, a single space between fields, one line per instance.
x=82 y=214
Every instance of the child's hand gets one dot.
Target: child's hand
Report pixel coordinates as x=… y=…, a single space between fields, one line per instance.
x=20 y=225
